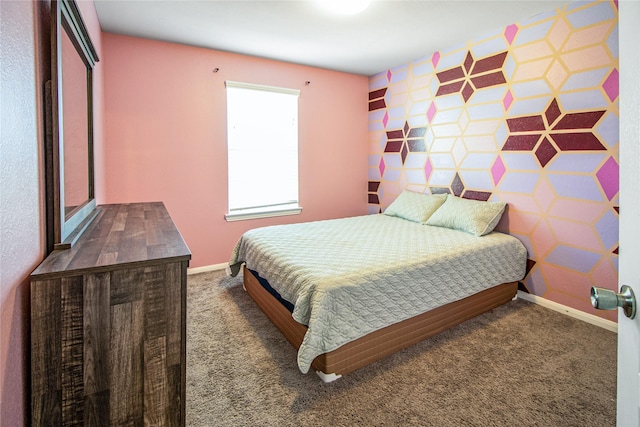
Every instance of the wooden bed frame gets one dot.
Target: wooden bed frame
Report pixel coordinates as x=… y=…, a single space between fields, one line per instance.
x=383 y=342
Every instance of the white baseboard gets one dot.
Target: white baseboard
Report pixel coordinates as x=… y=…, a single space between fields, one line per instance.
x=572 y=312
x=207 y=268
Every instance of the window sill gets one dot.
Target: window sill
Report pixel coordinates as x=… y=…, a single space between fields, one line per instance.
x=258 y=213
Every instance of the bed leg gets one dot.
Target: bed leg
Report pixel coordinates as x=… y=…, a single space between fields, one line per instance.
x=328 y=378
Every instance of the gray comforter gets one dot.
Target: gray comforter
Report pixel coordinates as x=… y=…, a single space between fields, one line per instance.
x=348 y=277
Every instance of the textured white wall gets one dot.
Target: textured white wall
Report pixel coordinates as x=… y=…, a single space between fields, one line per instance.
x=21 y=212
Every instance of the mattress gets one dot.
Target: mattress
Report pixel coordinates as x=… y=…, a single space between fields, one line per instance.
x=351 y=276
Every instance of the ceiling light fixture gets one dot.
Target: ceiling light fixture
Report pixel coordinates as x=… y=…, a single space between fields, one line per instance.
x=344 y=7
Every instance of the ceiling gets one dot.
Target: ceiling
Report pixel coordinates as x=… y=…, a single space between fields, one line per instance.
x=387 y=34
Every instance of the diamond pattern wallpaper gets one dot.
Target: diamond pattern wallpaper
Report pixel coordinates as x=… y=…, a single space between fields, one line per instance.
x=527 y=114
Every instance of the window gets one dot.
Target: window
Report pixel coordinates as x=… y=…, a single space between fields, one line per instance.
x=262 y=145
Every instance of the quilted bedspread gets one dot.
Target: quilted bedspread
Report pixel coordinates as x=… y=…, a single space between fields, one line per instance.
x=351 y=276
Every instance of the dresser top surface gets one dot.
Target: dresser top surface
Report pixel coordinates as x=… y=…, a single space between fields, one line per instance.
x=132 y=233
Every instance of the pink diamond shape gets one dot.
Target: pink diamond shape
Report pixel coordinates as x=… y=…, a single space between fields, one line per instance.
x=498 y=170
x=510 y=32
x=609 y=177
x=431 y=111
x=385 y=119
x=389 y=75
x=611 y=85
x=381 y=166
x=428 y=168
x=435 y=58
x=507 y=100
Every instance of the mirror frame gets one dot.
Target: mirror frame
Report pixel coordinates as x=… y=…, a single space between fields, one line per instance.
x=64 y=230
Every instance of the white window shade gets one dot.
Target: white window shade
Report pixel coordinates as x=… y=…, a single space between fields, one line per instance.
x=262 y=137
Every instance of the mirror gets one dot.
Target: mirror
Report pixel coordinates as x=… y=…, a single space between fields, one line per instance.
x=71 y=202
x=75 y=129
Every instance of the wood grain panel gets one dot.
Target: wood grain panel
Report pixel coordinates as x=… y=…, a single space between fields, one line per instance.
x=174 y=312
x=175 y=401
x=136 y=394
x=97 y=332
x=132 y=245
x=120 y=218
x=122 y=345
x=96 y=409
x=72 y=350
x=126 y=285
x=46 y=375
x=156 y=393
x=109 y=324
x=154 y=235
x=182 y=395
x=121 y=341
x=155 y=308
x=120 y=229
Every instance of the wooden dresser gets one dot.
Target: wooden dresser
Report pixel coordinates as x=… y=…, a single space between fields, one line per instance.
x=108 y=323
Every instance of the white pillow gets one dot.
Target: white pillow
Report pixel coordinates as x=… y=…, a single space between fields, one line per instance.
x=473 y=216
x=416 y=207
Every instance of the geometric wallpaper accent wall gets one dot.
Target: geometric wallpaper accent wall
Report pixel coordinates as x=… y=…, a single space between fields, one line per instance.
x=526 y=114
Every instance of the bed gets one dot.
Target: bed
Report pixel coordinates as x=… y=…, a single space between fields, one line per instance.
x=350 y=291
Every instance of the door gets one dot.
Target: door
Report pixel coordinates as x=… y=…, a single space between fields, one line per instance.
x=628 y=412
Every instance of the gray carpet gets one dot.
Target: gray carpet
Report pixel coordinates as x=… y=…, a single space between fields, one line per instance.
x=520 y=364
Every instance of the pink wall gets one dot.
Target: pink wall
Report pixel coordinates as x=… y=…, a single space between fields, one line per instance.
x=25 y=35
x=165 y=137
x=21 y=210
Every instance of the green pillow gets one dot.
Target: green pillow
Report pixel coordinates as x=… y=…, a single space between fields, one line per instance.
x=473 y=216
x=416 y=207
